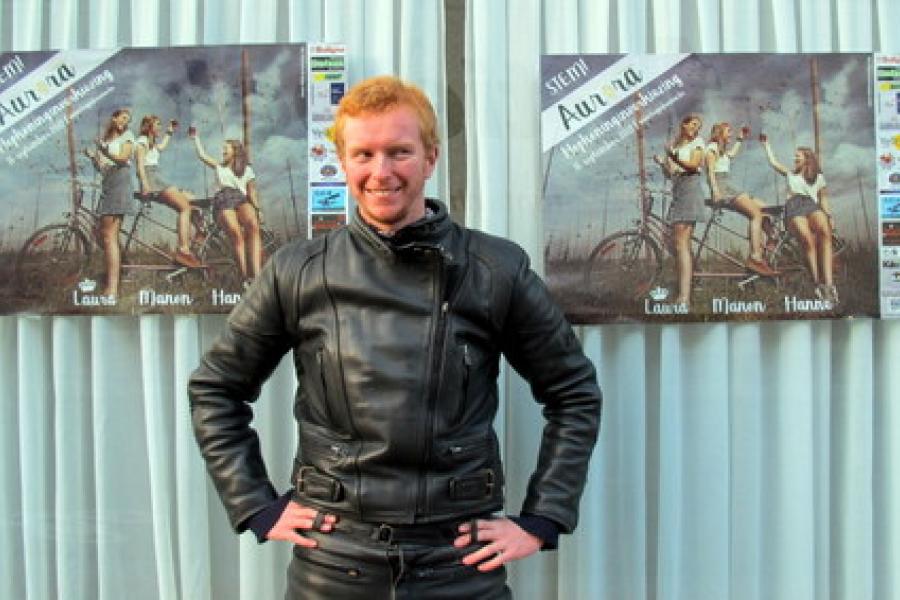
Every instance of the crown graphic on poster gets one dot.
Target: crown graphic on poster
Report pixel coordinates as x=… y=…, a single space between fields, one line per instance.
x=659 y=293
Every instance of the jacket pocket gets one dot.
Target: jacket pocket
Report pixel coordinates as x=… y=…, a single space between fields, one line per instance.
x=315 y=403
x=317 y=559
x=453 y=453
x=320 y=447
x=323 y=385
x=465 y=362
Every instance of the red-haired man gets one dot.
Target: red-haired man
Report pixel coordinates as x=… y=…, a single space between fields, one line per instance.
x=397 y=323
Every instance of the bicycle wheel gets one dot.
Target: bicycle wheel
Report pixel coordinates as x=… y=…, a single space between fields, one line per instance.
x=52 y=257
x=623 y=267
x=269 y=241
x=838 y=244
x=787 y=259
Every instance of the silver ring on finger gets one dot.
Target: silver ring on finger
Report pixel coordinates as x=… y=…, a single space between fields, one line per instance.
x=318 y=520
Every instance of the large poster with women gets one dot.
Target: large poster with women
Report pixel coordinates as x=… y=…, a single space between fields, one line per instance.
x=710 y=187
x=158 y=179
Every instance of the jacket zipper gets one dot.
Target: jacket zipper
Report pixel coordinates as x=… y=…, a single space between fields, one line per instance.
x=349 y=571
x=433 y=382
x=326 y=405
x=464 y=399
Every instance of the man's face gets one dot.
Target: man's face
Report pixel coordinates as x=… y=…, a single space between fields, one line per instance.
x=387 y=166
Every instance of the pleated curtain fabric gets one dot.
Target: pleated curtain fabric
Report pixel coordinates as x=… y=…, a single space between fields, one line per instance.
x=736 y=461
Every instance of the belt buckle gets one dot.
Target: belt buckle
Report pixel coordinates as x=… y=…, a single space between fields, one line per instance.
x=317 y=485
x=474 y=487
x=299 y=479
x=383 y=533
x=489 y=484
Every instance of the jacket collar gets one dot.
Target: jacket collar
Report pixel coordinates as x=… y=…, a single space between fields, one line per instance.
x=429 y=232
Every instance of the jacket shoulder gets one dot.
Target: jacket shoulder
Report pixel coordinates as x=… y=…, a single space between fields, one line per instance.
x=497 y=253
x=297 y=254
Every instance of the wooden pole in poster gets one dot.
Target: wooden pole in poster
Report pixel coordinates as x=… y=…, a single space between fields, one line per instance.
x=293 y=197
x=245 y=98
x=814 y=81
x=70 y=139
x=862 y=203
x=642 y=171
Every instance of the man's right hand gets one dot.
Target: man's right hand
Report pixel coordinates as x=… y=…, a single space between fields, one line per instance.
x=297 y=518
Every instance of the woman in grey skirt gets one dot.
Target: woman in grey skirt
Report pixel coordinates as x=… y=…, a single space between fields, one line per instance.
x=115 y=148
x=682 y=164
x=718 y=172
x=154 y=187
x=807 y=215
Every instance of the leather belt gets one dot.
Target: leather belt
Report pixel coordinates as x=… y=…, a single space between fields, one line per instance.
x=430 y=534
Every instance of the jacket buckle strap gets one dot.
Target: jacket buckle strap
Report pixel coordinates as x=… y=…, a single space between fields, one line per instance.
x=473 y=487
x=315 y=484
x=383 y=533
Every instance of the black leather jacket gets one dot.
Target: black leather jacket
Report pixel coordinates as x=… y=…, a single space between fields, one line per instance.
x=396 y=343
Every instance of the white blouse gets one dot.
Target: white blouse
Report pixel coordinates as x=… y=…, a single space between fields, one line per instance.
x=227 y=178
x=797 y=184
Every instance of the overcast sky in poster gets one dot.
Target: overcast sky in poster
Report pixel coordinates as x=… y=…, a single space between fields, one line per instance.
x=193 y=85
x=771 y=93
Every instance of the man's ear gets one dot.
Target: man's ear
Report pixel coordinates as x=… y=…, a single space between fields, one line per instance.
x=431 y=157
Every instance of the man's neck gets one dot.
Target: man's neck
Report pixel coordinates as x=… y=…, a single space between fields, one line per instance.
x=390 y=232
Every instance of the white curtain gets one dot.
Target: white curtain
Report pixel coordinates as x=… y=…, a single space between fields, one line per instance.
x=745 y=462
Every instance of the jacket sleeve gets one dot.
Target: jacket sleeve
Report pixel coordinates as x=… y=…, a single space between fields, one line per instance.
x=540 y=345
x=221 y=389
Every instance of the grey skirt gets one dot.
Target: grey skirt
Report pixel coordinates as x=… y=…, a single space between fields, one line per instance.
x=799 y=205
x=228 y=198
x=688 y=202
x=155 y=181
x=117 y=192
x=727 y=192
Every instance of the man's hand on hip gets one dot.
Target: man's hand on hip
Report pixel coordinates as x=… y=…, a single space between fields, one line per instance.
x=297 y=518
x=504 y=542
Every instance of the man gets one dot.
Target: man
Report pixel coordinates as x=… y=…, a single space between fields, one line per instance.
x=397 y=323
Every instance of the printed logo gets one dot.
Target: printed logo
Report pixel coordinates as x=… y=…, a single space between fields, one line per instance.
x=659 y=293
x=328 y=199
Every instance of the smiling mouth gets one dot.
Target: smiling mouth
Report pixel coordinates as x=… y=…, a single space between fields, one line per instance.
x=383 y=191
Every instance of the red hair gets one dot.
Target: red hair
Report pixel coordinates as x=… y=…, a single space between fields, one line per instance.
x=380 y=94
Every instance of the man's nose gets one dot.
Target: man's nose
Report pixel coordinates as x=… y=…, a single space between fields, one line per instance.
x=381 y=165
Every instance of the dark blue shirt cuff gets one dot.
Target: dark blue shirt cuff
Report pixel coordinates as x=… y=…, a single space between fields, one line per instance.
x=262 y=522
x=541 y=527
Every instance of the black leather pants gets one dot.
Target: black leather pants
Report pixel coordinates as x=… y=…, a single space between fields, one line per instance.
x=366 y=562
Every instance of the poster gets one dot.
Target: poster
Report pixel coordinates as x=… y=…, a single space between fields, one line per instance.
x=616 y=249
x=887 y=94
x=178 y=249
x=328 y=202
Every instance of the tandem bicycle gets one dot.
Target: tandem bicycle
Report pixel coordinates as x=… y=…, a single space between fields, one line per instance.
x=627 y=264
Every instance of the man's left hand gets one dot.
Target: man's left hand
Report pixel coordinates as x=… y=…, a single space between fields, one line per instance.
x=504 y=542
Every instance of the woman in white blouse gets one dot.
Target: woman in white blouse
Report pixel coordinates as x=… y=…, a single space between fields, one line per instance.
x=807 y=214
x=682 y=164
x=236 y=203
x=718 y=171
x=155 y=187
